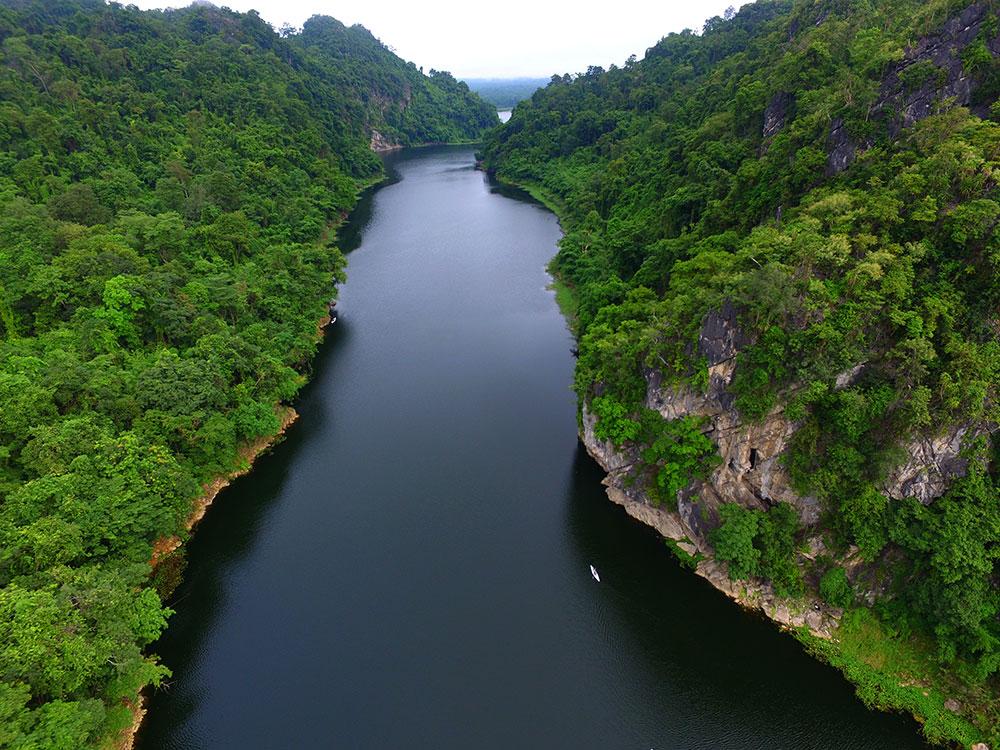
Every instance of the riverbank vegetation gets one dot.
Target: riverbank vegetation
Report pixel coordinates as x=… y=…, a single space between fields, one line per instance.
x=828 y=170
x=169 y=184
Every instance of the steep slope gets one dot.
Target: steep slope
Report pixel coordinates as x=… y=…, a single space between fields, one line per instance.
x=170 y=183
x=399 y=103
x=782 y=246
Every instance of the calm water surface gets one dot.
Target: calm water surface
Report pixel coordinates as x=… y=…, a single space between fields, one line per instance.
x=409 y=569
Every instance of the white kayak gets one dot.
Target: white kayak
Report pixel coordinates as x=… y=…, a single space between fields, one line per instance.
x=593 y=572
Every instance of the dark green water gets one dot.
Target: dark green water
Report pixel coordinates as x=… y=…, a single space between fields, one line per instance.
x=409 y=569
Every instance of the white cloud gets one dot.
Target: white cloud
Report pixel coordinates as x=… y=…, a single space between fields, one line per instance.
x=506 y=38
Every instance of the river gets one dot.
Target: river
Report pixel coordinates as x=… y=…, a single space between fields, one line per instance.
x=410 y=567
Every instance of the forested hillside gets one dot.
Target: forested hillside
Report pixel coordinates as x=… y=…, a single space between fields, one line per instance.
x=782 y=245
x=169 y=187
x=400 y=102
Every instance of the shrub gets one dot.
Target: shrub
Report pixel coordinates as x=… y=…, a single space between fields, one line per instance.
x=733 y=541
x=836 y=589
x=760 y=543
x=678 y=450
x=613 y=422
x=776 y=542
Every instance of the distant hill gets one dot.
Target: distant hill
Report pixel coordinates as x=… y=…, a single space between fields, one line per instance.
x=504 y=93
x=396 y=99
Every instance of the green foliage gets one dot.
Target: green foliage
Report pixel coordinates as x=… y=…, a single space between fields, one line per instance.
x=664 y=187
x=836 y=589
x=613 y=421
x=762 y=369
x=677 y=452
x=734 y=541
x=953 y=547
x=683 y=556
x=776 y=541
x=893 y=673
x=866 y=515
x=920 y=73
x=758 y=543
x=369 y=85
x=976 y=57
x=168 y=185
x=673 y=452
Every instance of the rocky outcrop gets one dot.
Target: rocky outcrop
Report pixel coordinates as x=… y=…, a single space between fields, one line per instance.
x=752 y=471
x=931 y=463
x=904 y=102
x=380 y=144
x=840 y=148
x=384 y=102
x=776 y=114
x=931 y=71
x=752 y=474
x=687 y=529
x=721 y=338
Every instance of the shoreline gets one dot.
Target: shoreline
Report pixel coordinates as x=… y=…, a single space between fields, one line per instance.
x=538 y=194
x=818 y=619
x=812 y=622
x=396 y=147
x=247 y=455
x=818 y=627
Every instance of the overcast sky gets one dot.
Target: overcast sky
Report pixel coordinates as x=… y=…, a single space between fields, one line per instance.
x=505 y=38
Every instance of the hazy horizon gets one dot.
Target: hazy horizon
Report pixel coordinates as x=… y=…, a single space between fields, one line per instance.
x=521 y=39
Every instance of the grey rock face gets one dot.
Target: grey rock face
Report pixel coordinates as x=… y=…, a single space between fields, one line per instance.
x=379 y=143
x=721 y=338
x=849 y=377
x=752 y=470
x=776 y=113
x=932 y=463
x=841 y=148
x=685 y=527
x=752 y=473
x=901 y=103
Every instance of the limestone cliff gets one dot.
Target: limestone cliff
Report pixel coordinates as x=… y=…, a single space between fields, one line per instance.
x=752 y=473
x=380 y=144
x=687 y=528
